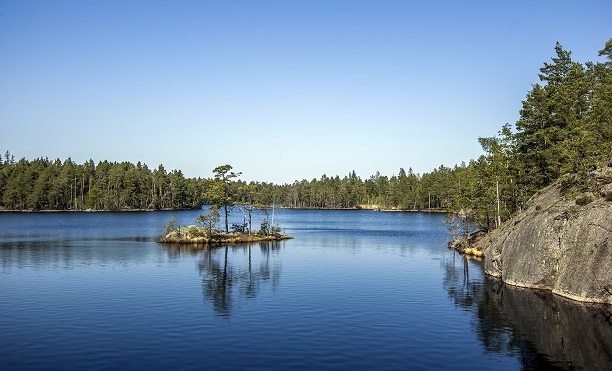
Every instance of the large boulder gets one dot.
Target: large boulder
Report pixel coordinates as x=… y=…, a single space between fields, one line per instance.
x=558 y=244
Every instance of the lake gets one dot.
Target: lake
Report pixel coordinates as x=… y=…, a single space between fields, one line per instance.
x=353 y=290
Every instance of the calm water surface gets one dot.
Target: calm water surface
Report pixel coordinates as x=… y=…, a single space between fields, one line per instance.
x=352 y=290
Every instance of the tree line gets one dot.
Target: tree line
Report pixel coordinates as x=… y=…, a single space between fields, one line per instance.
x=42 y=184
x=565 y=127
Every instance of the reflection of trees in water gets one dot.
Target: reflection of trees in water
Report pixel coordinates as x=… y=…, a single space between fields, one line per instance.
x=542 y=330
x=471 y=295
x=458 y=284
x=70 y=253
x=215 y=284
x=227 y=278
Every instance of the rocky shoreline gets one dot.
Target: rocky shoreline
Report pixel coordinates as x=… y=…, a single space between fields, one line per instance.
x=556 y=243
x=467 y=245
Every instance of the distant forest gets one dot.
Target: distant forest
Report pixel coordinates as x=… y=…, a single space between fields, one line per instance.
x=565 y=127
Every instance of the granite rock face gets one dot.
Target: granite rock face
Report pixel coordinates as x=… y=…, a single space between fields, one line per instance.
x=558 y=244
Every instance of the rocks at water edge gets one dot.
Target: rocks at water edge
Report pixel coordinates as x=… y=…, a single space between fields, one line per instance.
x=467 y=245
x=558 y=244
x=193 y=234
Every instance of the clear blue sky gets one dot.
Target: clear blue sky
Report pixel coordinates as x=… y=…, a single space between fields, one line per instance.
x=281 y=90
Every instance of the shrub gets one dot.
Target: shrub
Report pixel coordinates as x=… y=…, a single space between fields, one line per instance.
x=240 y=228
x=209 y=220
x=194 y=231
x=264 y=229
x=170 y=226
x=267 y=229
x=275 y=230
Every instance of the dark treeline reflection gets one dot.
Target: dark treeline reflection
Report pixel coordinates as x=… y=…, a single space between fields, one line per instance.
x=542 y=330
x=70 y=253
x=231 y=274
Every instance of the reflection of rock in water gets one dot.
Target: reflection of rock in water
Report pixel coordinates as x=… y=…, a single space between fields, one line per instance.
x=573 y=335
x=542 y=330
x=226 y=277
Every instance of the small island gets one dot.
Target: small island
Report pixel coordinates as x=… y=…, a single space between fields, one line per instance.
x=194 y=234
x=206 y=231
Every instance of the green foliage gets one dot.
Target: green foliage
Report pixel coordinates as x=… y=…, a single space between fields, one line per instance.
x=171 y=225
x=275 y=230
x=221 y=191
x=265 y=227
x=240 y=228
x=194 y=231
x=209 y=220
x=458 y=224
x=565 y=125
x=42 y=184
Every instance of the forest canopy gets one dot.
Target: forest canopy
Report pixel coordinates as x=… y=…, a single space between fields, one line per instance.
x=565 y=127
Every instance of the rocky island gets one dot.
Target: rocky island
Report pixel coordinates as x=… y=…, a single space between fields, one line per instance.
x=194 y=234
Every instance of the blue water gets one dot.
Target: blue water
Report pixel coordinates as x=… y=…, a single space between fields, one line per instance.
x=352 y=290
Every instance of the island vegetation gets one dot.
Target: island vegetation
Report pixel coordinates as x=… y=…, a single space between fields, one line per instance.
x=206 y=232
x=565 y=127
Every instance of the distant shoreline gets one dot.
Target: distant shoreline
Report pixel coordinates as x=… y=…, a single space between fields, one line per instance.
x=369 y=208
x=361 y=207
x=89 y=211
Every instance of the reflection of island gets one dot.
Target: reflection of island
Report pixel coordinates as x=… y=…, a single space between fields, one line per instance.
x=231 y=274
x=542 y=330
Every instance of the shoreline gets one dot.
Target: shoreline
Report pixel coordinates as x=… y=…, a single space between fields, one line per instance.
x=90 y=211
x=186 y=209
x=176 y=237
